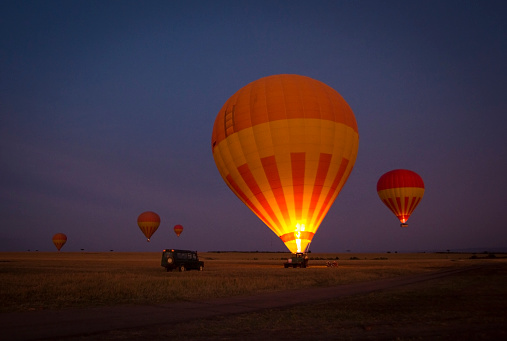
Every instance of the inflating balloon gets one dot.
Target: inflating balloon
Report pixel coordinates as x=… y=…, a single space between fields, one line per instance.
x=59 y=240
x=401 y=190
x=178 y=229
x=148 y=223
x=285 y=145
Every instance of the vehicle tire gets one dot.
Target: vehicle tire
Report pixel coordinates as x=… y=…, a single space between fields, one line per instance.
x=182 y=268
x=201 y=267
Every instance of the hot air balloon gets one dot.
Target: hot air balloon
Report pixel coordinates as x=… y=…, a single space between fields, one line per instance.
x=59 y=240
x=178 y=229
x=401 y=190
x=285 y=145
x=148 y=223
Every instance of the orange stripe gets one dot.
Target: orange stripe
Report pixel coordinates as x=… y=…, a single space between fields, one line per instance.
x=298 y=181
x=244 y=198
x=323 y=168
x=249 y=179
x=273 y=176
x=334 y=186
x=280 y=97
x=290 y=236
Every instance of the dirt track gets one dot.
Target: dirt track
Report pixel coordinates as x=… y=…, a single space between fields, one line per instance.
x=66 y=324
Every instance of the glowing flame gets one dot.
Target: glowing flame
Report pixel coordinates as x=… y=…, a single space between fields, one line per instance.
x=297 y=235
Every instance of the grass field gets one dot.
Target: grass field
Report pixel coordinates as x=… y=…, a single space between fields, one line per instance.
x=470 y=305
x=59 y=280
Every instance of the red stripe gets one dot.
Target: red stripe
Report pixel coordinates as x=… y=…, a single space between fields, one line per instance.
x=392 y=204
x=324 y=163
x=244 y=198
x=338 y=178
x=389 y=205
x=398 y=203
x=415 y=202
x=273 y=176
x=410 y=207
x=249 y=179
x=298 y=181
x=151 y=230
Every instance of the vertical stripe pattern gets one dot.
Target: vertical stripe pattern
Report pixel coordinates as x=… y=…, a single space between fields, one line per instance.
x=401 y=190
x=59 y=240
x=285 y=145
x=148 y=222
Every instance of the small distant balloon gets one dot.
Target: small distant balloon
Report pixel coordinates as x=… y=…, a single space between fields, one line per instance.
x=148 y=223
x=59 y=240
x=401 y=190
x=178 y=229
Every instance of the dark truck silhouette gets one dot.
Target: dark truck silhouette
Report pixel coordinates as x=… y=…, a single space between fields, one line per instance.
x=181 y=260
x=298 y=260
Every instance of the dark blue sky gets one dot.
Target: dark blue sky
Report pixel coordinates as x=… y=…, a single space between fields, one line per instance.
x=107 y=108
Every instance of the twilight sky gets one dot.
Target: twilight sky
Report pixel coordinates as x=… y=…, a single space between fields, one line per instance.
x=107 y=109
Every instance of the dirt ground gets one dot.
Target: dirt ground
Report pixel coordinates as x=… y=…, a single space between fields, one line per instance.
x=447 y=305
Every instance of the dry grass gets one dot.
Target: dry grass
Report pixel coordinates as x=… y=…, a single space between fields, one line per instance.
x=469 y=305
x=36 y=280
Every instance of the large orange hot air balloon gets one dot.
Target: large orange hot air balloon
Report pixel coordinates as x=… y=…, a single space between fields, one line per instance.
x=178 y=229
x=401 y=190
x=148 y=223
x=285 y=145
x=59 y=240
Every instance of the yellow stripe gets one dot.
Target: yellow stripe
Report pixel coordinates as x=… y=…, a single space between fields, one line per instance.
x=273 y=138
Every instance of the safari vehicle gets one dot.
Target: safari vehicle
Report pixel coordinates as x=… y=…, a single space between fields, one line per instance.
x=298 y=260
x=181 y=260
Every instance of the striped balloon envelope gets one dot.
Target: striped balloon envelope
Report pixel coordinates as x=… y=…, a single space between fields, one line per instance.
x=59 y=240
x=148 y=222
x=285 y=145
x=401 y=190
